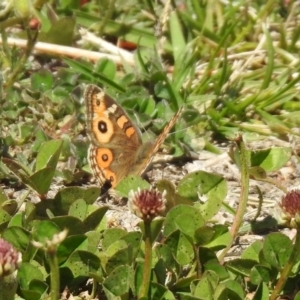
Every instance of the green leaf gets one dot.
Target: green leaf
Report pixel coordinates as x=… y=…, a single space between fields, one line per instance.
x=241 y=266
x=134 y=240
x=18 y=237
x=48 y=154
x=16 y=220
x=260 y=273
x=230 y=289
x=272 y=249
x=69 y=195
x=178 y=212
x=29 y=272
x=10 y=206
x=253 y=251
x=94 y=219
x=129 y=183
x=205 y=287
x=60 y=205
x=203 y=235
x=60 y=32
x=110 y=236
x=30 y=294
x=270 y=63
x=139 y=36
x=45 y=230
x=178 y=41
x=4 y=219
x=37 y=290
x=41 y=180
x=221 y=238
x=187 y=296
x=173 y=198
x=91 y=194
x=3 y=196
x=155 y=228
x=262 y=292
x=39 y=286
x=181 y=247
x=159 y=291
x=186 y=223
x=118 y=254
x=25 y=132
x=198 y=182
x=164 y=253
x=172 y=94
x=69 y=245
x=214 y=266
x=30 y=213
x=74 y=225
x=81 y=68
x=271 y=159
x=21 y=171
x=106 y=67
x=81 y=263
x=212 y=187
x=119 y=282
x=78 y=209
x=274 y=123
x=94 y=238
x=297 y=296
x=42 y=80
x=184 y=68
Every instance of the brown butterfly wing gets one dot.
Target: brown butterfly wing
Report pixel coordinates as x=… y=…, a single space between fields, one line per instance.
x=115 y=140
x=116 y=148
x=149 y=149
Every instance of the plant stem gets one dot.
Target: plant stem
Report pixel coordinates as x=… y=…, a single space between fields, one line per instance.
x=143 y=293
x=54 y=275
x=274 y=182
x=198 y=262
x=8 y=286
x=260 y=202
x=244 y=194
x=94 y=289
x=287 y=268
x=107 y=16
x=21 y=63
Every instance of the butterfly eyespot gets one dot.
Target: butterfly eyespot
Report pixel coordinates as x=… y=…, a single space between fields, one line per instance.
x=98 y=102
x=111 y=177
x=102 y=126
x=103 y=158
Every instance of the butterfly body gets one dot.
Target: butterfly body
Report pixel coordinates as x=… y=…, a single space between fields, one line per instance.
x=116 y=148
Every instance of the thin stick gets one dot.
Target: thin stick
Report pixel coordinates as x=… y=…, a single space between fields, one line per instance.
x=58 y=50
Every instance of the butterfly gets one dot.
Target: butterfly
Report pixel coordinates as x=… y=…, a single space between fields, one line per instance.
x=116 y=148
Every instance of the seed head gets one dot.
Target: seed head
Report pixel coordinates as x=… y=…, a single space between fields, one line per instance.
x=147 y=204
x=288 y=209
x=10 y=258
